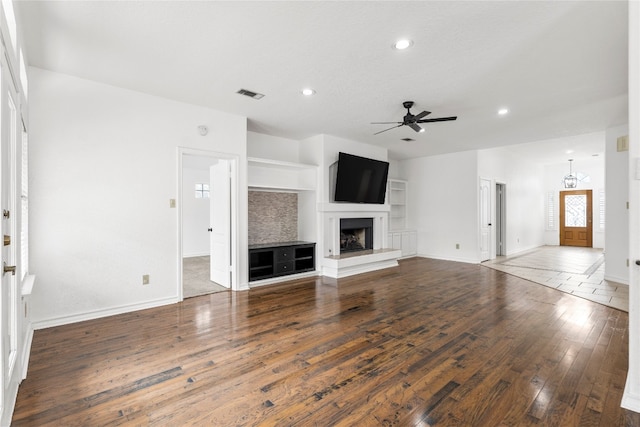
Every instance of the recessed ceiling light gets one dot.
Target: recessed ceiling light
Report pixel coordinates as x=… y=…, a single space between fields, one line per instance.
x=569 y=151
x=402 y=44
x=503 y=111
x=308 y=92
x=421 y=130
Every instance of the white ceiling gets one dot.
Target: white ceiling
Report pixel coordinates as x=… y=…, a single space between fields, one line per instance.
x=559 y=66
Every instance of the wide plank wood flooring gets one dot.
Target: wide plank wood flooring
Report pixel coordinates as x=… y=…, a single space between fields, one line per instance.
x=429 y=343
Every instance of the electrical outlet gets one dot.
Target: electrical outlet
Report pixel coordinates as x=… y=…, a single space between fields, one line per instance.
x=457 y=245
x=145 y=279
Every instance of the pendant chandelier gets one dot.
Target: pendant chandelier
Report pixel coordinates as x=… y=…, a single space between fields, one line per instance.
x=571 y=180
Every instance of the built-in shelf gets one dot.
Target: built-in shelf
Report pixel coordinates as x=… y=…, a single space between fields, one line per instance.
x=397 y=199
x=278 y=164
x=275 y=175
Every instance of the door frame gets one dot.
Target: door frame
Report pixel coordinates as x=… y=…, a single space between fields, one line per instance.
x=234 y=160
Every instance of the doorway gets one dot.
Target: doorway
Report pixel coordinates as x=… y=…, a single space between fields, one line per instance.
x=501 y=219
x=576 y=218
x=207 y=208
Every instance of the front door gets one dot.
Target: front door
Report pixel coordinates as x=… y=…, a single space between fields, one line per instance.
x=576 y=225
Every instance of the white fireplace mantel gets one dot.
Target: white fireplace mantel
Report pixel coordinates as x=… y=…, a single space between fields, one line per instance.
x=335 y=265
x=352 y=207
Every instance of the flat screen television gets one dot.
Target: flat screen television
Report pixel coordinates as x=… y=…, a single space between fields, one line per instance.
x=360 y=180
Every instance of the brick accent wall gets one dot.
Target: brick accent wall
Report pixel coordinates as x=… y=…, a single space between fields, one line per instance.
x=273 y=217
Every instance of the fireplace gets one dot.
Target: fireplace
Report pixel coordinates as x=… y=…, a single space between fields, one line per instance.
x=356 y=234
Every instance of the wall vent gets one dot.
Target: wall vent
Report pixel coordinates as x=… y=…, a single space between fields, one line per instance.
x=250 y=94
x=407 y=139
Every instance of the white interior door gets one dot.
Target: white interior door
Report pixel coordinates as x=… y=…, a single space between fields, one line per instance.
x=220 y=228
x=485 y=219
x=9 y=291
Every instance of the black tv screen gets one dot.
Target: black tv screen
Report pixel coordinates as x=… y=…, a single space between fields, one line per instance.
x=360 y=180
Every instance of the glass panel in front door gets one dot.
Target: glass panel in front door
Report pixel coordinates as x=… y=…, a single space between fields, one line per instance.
x=575 y=210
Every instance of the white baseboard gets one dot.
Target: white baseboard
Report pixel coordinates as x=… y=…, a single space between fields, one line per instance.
x=96 y=314
x=629 y=400
x=522 y=251
x=621 y=280
x=26 y=350
x=455 y=259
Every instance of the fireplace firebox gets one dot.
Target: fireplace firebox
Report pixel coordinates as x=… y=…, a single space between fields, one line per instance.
x=356 y=234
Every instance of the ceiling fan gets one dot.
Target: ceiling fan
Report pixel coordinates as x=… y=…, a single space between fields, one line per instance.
x=412 y=121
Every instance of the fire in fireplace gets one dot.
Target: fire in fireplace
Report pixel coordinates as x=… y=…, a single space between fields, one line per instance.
x=356 y=234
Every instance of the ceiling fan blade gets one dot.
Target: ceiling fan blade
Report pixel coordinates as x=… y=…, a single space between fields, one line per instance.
x=386 y=123
x=415 y=127
x=389 y=129
x=421 y=115
x=439 y=119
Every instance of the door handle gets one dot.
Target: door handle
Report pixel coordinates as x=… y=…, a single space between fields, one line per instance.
x=638 y=262
x=209 y=230
x=9 y=268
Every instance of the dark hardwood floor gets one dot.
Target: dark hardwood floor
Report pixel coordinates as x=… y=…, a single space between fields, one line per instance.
x=430 y=343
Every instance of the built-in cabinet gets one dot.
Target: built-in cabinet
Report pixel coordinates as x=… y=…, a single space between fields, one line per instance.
x=399 y=236
x=280 y=259
x=406 y=241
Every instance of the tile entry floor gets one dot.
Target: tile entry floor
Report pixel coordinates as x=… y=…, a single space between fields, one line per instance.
x=577 y=271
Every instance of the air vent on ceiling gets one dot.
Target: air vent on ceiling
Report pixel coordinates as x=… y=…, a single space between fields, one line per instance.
x=250 y=94
x=408 y=139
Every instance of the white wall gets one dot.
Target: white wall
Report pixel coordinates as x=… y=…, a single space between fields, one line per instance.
x=524 y=198
x=617 y=213
x=272 y=147
x=195 y=212
x=553 y=174
x=106 y=162
x=443 y=204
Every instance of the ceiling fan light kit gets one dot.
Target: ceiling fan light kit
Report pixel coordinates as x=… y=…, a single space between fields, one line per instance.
x=413 y=120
